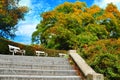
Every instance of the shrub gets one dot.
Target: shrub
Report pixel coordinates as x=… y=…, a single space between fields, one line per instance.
x=30 y=51
x=104 y=57
x=107 y=64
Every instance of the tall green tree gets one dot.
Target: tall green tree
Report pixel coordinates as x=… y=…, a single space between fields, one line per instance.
x=71 y=25
x=10 y=14
x=59 y=27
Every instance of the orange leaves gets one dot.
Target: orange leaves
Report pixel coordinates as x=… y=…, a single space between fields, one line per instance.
x=2 y=11
x=48 y=15
x=86 y=18
x=52 y=30
x=85 y=24
x=93 y=10
x=61 y=19
x=23 y=9
x=86 y=15
x=66 y=4
x=77 y=11
x=2 y=5
x=110 y=46
x=106 y=16
x=111 y=8
x=79 y=5
x=10 y=13
x=68 y=7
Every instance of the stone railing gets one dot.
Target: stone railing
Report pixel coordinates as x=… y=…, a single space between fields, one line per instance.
x=88 y=72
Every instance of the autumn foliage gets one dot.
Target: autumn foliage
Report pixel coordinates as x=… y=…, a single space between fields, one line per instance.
x=71 y=25
x=93 y=31
x=10 y=14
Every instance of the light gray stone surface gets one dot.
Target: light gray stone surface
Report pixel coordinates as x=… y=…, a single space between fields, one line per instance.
x=31 y=77
x=36 y=68
x=84 y=67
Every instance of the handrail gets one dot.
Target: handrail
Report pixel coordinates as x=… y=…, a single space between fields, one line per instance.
x=88 y=72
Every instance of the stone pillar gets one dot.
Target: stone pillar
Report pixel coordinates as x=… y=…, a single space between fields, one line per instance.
x=95 y=76
x=72 y=51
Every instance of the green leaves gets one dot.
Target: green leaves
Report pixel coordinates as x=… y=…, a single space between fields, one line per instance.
x=86 y=37
x=71 y=25
x=107 y=64
x=93 y=31
x=10 y=14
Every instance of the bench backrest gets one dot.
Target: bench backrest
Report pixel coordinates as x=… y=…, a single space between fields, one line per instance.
x=15 y=49
x=41 y=53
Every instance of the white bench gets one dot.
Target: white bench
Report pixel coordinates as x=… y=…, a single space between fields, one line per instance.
x=62 y=55
x=41 y=53
x=16 y=50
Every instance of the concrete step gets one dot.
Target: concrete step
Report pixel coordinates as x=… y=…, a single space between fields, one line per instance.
x=32 y=66
x=33 y=60
x=30 y=58
x=34 y=77
x=42 y=62
x=4 y=71
x=36 y=68
x=37 y=60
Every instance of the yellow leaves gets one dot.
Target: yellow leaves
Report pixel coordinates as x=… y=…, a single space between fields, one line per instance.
x=52 y=30
x=110 y=43
x=48 y=15
x=111 y=8
x=94 y=9
x=79 y=5
x=106 y=16
x=87 y=18
x=2 y=6
x=86 y=15
x=23 y=9
x=61 y=19
x=2 y=11
x=77 y=11
x=75 y=17
x=66 y=4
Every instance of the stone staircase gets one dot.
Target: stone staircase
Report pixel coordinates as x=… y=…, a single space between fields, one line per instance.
x=36 y=68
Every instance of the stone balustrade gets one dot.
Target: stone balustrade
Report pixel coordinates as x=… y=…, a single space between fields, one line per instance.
x=88 y=72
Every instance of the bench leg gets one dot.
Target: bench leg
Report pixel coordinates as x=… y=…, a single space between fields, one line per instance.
x=13 y=53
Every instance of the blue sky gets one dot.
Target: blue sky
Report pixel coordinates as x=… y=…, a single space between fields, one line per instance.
x=32 y=18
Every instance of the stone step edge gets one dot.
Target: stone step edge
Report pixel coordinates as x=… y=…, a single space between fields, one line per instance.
x=30 y=56
x=36 y=70
x=34 y=76
x=67 y=65
x=32 y=69
x=42 y=62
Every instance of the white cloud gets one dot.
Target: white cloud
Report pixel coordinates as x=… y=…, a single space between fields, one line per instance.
x=103 y=3
x=26 y=29
x=25 y=3
x=32 y=18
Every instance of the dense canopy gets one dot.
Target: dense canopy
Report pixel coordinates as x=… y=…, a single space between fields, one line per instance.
x=71 y=25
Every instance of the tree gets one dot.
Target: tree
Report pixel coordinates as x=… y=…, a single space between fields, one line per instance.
x=59 y=27
x=71 y=25
x=10 y=14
